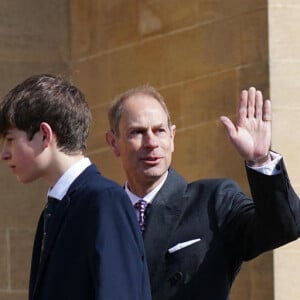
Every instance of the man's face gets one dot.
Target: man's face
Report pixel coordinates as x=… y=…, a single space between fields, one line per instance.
x=22 y=155
x=145 y=143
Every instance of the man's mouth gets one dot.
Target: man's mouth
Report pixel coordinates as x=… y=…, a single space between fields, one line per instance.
x=152 y=160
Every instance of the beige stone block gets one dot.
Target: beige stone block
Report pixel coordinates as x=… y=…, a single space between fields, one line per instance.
x=254 y=37
x=281 y=3
x=99 y=127
x=115 y=23
x=256 y=75
x=209 y=98
x=29 y=30
x=3 y=260
x=286 y=276
x=14 y=72
x=102 y=25
x=286 y=140
x=203 y=151
x=285 y=88
x=21 y=243
x=21 y=204
x=255 y=281
x=137 y=65
x=201 y=51
x=173 y=98
x=212 y=10
x=262 y=286
x=156 y=16
x=241 y=288
x=284 y=32
x=92 y=76
x=109 y=165
x=14 y=295
x=80 y=28
x=114 y=35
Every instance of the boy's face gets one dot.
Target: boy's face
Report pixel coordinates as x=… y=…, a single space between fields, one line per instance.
x=23 y=156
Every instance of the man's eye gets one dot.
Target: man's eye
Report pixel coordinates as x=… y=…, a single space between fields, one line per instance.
x=161 y=130
x=136 y=131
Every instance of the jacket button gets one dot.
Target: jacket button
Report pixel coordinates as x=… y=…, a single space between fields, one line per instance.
x=178 y=276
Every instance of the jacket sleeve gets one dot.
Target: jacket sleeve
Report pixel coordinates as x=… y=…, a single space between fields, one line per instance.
x=117 y=259
x=268 y=221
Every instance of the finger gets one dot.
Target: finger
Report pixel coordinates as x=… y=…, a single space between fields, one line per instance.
x=242 y=110
x=267 y=111
x=258 y=105
x=251 y=102
x=230 y=128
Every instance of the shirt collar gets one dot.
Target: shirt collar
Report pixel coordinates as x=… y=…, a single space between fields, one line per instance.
x=150 y=196
x=59 y=190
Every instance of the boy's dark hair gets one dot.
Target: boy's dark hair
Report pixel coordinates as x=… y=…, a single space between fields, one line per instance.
x=50 y=99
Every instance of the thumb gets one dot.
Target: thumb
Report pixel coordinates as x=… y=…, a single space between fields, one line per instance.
x=229 y=126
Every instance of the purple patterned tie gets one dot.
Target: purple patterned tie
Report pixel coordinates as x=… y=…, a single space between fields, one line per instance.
x=141 y=206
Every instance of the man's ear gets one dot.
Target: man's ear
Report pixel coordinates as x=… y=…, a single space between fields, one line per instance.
x=173 y=131
x=47 y=134
x=111 y=140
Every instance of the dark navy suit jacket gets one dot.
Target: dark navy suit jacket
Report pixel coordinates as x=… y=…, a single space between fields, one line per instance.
x=94 y=249
x=228 y=228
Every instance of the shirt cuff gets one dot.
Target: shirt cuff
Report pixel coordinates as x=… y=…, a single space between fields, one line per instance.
x=269 y=168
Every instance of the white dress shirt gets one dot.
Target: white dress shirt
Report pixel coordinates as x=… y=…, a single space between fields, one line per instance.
x=59 y=190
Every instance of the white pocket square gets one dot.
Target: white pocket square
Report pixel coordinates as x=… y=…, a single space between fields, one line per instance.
x=183 y=245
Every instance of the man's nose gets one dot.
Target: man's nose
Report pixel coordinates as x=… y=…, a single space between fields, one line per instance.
x=151 y=140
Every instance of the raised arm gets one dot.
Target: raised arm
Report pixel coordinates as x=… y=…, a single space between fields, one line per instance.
x=251 y=135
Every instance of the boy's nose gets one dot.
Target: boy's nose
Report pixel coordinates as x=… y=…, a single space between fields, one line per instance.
x=4 y=154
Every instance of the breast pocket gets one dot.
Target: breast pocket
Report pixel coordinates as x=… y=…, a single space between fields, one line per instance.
x=184 y=263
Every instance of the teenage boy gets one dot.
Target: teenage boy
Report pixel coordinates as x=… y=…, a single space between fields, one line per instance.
x=88 y=244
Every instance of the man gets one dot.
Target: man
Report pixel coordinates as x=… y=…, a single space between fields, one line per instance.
x=88 y=244
x=197 y=235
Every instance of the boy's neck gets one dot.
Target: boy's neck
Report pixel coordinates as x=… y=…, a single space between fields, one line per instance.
x=60 y=165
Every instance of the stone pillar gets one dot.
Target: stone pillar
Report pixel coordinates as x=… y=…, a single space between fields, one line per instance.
x=284 y=61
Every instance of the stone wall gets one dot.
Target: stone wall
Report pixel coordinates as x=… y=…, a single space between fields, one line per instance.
x=34 y=38
x=285 y=89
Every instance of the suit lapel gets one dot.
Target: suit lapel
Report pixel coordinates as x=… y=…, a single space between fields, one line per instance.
x=164 y=216
x=56 y=221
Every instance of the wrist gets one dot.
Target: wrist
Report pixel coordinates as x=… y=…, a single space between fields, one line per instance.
x=260 y=161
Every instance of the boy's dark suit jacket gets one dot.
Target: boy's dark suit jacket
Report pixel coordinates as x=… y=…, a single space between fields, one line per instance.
x=231 y=228
x=94 y=250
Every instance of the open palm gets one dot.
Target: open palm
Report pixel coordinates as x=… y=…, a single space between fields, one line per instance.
x=251 y=136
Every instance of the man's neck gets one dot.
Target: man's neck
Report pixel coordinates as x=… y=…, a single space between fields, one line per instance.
x=142 y=189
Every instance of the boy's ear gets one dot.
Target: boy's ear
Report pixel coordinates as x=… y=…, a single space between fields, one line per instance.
x=112 y=141
x=47 y=134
